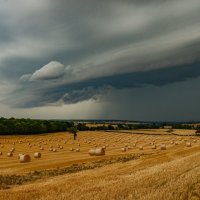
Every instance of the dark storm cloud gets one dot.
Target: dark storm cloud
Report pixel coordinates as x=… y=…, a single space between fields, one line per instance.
x=5 y=34
x=35 y=94
x=173 y=102
x=75 y=32
x=64 y=52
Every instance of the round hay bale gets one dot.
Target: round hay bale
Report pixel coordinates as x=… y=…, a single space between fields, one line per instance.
x=24 y=158
x=141 y=148
x=54 y=150
x=20 y=154
x=77 y=150
x=163 y=147
x=92 y=152
x=71 y=149
x=37 y=155
x=176 y=143
x=99 y=151
x=1 y=153
x=9 y=154
x=123 y=149
x=154 y=147
x=41 y=148
x=188 y=144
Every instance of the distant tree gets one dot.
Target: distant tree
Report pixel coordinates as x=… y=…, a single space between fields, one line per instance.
x=110 y=127
x=130 y=126
x=120 y=126
x=82 y=127
x=74 y=131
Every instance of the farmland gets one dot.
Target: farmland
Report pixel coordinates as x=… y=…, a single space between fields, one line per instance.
x=146 y=163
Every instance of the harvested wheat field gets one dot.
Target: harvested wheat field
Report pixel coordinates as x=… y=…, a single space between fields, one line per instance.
x=135 y=166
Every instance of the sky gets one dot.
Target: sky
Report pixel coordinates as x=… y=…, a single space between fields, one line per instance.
x=91 y=59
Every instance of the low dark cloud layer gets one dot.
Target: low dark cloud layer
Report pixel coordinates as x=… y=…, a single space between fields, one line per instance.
x=65 y=52
x=48 y=91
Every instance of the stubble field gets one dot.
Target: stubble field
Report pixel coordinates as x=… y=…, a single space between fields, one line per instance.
x=151 y=173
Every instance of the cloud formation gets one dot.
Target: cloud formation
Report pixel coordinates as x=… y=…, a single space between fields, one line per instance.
x=59 y=91
x=65 y=52
x=50 y=71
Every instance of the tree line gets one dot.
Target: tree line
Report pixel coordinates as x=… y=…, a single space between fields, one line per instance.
x=84 y=127
x=14 y=126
